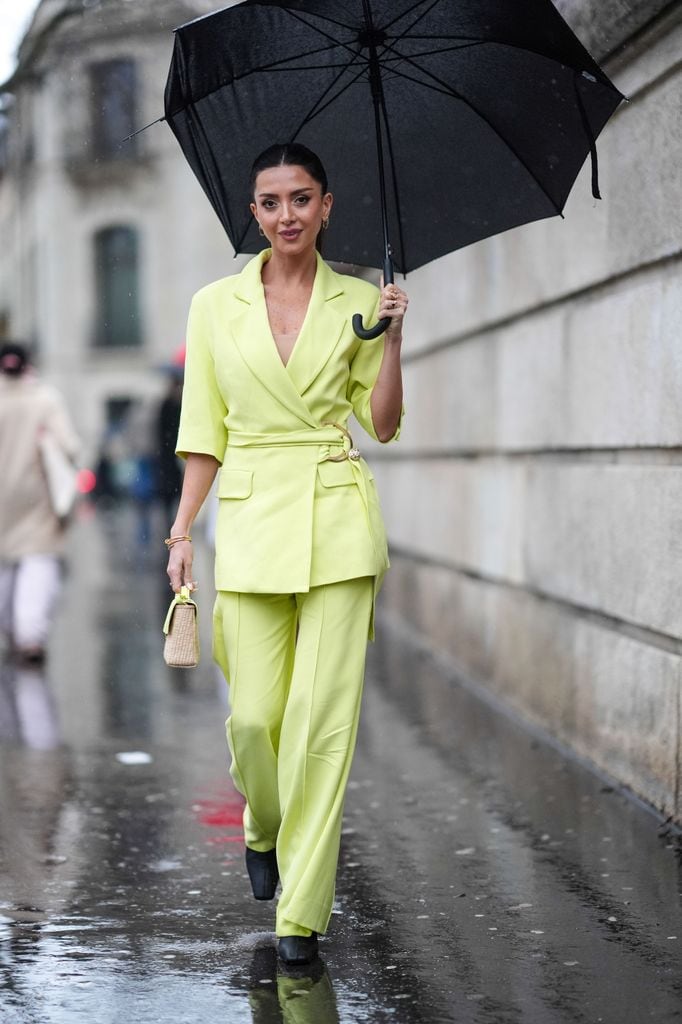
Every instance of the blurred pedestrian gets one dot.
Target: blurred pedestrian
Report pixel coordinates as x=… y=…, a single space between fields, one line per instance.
x=274 y=370
x=139 y=464
x=31 y=533
x=169 y=471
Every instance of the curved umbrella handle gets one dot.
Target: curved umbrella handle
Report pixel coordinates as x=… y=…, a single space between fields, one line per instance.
x=369 y=333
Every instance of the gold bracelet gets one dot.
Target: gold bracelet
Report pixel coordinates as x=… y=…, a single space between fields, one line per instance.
x=170 y=541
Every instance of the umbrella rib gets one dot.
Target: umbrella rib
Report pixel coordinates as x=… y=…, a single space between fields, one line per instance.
x=526 y=49
x=315 y=28
x=263 y=67
x=416 y=20
x=337 y=42
x=323 y=17
x=275 y=66
x=432 y=53
x=298 y=56
x=307 y=67
x=449 y=91
x=393 y=63
x=198 y=128
x=315 y=113
x=409 y=28
x=314 y=109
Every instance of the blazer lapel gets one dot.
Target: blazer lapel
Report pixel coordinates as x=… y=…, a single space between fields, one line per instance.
x=253 y=338
x=320 y=332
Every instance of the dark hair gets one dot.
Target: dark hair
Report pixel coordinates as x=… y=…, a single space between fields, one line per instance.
x=13 y=358
x=291 y=154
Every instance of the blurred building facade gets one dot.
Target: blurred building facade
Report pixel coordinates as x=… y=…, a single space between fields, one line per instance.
x=104 y=241
x=534 y=500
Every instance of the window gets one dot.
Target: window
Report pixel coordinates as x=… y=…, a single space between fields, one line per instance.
x=116 y=277
x=113 y=91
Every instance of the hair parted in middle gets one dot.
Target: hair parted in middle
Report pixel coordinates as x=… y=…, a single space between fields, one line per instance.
x=291 y=154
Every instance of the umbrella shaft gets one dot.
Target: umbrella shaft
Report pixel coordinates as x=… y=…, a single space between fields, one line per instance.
x=378 y=102
x=382 y=172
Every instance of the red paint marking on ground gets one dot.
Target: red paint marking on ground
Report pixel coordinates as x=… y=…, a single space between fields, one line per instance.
x=220 y=813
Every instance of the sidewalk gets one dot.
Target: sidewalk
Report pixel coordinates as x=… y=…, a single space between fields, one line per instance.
x=484 y=878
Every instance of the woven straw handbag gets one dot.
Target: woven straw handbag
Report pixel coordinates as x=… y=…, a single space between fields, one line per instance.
x=181 y=648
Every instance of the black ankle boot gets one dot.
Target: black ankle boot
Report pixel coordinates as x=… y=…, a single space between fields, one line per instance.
x=297 y=949
x=263 y=872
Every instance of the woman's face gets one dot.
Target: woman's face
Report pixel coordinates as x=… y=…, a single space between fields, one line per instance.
x=289 y=206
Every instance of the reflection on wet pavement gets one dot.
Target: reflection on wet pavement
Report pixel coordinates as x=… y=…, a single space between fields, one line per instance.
x=483 y=877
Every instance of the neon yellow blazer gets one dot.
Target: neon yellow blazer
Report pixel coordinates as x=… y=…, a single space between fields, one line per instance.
x=297 y=505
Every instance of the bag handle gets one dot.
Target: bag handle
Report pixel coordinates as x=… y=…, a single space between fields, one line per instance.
x=181 y=598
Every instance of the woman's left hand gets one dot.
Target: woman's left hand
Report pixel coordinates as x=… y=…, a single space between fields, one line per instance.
x=393 y=304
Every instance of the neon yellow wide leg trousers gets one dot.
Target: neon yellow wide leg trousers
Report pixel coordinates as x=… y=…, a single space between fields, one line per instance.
x=295 y=667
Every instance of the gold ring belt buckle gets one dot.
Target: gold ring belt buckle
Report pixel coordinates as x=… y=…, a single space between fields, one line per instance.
x=353 y=453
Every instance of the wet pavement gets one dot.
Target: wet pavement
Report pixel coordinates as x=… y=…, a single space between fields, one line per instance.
x=484 y=878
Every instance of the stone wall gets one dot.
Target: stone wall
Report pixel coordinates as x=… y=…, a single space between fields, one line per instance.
x=534 y=502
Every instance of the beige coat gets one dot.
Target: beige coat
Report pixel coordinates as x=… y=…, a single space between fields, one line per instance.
x=28 y=526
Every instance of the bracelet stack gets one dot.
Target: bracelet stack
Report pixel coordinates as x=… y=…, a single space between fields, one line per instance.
x=170 y=541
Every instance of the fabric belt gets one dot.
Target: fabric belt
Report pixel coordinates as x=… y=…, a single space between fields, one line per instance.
x=335 y=444
x=333 y=440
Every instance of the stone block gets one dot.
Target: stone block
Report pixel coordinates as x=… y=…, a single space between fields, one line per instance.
x=602 y=537
x=626 y=701
x=613 y=699
x=469 y=513
x=531 y=387
x=623 y=365
x=608 y=538
x=450 y=399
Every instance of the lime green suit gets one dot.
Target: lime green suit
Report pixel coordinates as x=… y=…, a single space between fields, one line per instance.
x=300 y=549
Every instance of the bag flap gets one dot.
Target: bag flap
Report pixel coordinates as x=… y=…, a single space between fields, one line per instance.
x=182 y=598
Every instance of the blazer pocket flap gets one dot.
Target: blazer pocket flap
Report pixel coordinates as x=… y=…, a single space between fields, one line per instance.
x=235 y=483
x=335 y=474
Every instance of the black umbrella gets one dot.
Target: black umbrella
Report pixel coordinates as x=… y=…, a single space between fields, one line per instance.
x=476 y=114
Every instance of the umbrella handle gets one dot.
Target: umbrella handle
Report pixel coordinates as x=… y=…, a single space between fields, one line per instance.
x=370 y=333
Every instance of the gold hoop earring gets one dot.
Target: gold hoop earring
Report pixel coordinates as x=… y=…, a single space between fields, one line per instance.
x=260 y=229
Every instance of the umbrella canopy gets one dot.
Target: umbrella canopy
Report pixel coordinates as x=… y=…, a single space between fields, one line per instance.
x=483 y=112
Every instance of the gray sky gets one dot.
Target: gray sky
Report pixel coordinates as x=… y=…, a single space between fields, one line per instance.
x=14 y=18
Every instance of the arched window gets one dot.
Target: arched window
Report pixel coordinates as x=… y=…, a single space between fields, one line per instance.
x=113 y=92
x=117 y=288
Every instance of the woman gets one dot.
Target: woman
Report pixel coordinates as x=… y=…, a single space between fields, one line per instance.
x=273 y=372
x=32 y=535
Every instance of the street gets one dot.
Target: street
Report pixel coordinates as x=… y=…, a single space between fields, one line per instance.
x=484 y=877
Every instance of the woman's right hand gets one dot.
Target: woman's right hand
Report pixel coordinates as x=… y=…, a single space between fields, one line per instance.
x=180 y=566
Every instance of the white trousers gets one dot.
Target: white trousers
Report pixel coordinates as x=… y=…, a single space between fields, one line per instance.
x=28 y=592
